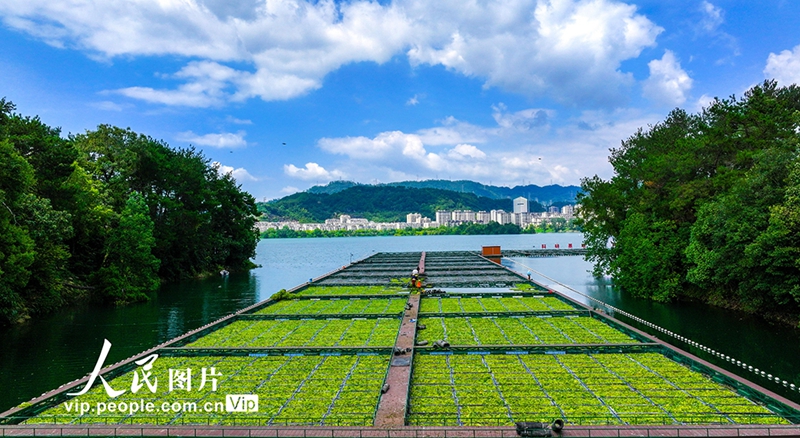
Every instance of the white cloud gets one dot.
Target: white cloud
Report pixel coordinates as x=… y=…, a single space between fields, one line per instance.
x=312 y=171
x=713 y=17
x=414 y=100
x=704 y=101
x=524 y=120
x=784 y=67
x=465 y=151
x=221 y=140
x=668 y=83
x=451 y=132
x=507 y=155
x=288 y=190
x=240 y=174
x=570 y=50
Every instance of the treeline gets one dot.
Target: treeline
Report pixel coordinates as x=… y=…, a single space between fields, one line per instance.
x=379 y=204
x=107 y=214
x=557 y=225
x=706 y=205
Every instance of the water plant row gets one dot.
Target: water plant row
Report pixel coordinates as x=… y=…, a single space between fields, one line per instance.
x=351 y=290
x=335 y=390
x=520 y=331
x=388 y=306
x=644 y=388
x=380 y=332
x=490 y=304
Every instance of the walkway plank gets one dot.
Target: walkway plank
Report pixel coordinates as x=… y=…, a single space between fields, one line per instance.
x=392 y=407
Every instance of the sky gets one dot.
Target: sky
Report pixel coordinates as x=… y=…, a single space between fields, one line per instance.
x=287 y=94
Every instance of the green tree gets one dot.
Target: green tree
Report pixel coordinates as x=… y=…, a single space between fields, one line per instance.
x=692 y=207
x=17 y=252
x=130 y=270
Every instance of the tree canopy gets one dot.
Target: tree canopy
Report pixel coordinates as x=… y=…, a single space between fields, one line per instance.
x=105 y=215
x=705 y=205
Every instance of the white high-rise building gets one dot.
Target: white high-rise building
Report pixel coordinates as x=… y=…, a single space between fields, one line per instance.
x=520 y=205
x=413 y=218
x=443 y=217
x=500 y=216
x=483 y=217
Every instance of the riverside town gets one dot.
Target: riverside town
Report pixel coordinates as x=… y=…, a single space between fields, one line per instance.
x=520 y=216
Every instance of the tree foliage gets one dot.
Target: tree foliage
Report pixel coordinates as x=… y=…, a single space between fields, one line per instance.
x=107 y=214
x=705 y=204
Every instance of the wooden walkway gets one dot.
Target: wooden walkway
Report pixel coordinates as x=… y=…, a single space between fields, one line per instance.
x=393 y=404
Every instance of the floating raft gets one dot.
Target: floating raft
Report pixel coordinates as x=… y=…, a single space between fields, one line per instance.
x=353 y=353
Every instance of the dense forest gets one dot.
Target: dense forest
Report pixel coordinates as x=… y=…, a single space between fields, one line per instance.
x=706 y=205
x=108 y=214
x=379 y=204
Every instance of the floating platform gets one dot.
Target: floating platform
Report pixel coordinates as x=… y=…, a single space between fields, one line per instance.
x=354 y=353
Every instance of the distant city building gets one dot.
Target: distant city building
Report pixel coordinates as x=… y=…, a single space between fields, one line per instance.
x=413 y=218
x=500 y=216
x=521 y=220
x=520 y=205
x=520 y=217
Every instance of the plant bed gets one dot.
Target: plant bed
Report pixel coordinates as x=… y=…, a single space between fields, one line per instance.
x=376 y=306
x=492 y=304
x=519 y=331
x=351 y=290
x=597 y=389
x=378 y=332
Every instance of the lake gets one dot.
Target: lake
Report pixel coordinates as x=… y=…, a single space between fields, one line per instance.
x=47 y=352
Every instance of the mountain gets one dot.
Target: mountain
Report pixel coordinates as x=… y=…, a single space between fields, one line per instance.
x=332 y=187
x=547 y=195
x=382 y=203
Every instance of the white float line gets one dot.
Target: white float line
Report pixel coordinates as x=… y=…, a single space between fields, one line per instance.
x=702 y=347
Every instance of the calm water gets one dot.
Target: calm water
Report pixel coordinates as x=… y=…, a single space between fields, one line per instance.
x=44 y=354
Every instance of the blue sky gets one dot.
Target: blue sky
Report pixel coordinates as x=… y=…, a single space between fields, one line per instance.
x=287 y=94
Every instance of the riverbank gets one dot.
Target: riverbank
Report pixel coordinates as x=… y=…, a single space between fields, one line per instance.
x=782 y=317
x=468 y=229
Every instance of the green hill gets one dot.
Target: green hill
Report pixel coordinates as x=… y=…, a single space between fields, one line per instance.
x=378 y=203
x=547 y=195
